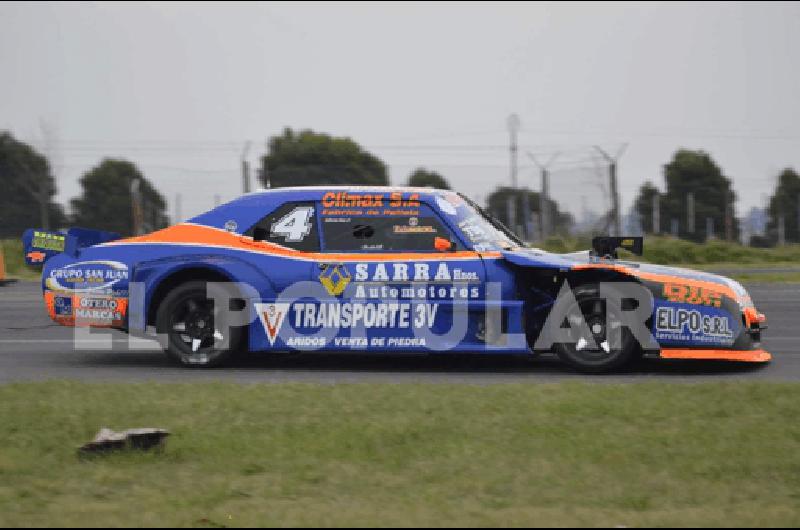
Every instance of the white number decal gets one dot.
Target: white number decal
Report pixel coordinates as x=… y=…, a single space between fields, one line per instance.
x=295 y=225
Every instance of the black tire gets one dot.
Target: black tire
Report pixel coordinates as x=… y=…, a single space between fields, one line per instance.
x=607 y=329
x=192 y=330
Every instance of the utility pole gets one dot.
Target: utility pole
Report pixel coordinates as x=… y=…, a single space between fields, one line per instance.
x=513 y=123
x=544 y=196
x=657 y=214
x=690 y=213
x=612 y=174
x=781 y=230
x=246 y=168
x=728 y=216
x=263 y=172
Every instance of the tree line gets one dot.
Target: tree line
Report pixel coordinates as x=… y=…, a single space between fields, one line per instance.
x=698 y=201
x=107 y=200
x=29 y=188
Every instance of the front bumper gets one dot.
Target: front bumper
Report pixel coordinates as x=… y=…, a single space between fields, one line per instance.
x=749 y=344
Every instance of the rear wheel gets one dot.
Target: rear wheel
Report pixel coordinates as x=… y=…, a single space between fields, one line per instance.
x=604 y=343
x=195 y=331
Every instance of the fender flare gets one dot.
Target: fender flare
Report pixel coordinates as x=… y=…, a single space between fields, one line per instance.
x=149 y=277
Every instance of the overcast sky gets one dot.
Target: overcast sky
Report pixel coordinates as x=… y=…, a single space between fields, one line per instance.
x=180 y=88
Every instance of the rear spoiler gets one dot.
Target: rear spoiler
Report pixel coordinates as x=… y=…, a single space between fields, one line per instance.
x=41 y=245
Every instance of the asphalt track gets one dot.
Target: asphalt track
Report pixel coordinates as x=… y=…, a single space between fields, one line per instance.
x=33 y=348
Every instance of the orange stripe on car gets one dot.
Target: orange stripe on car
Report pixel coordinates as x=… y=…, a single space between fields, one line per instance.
x=748 y=356
x=200 y=235
x=663 y=278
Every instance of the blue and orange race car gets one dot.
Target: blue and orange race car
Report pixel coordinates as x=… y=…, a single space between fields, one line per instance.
x=385 y=270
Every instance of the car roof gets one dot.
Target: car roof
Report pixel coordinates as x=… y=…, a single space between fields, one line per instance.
x=354 y=189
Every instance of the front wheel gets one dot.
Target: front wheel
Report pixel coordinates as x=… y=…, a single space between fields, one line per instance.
x=604 y=343
x=194 y=330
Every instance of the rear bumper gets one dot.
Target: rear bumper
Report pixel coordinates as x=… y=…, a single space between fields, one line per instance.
x=747 y=356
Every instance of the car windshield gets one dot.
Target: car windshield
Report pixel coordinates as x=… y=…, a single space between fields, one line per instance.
x=484 y=231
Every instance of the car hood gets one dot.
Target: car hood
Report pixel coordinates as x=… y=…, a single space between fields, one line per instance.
x=532 y=257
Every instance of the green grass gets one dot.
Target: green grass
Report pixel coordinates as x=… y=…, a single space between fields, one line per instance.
x=711 y=256
x=765 y=277
x=767 y=273
x=672 y=251
x=440 y=455
x=15 y=262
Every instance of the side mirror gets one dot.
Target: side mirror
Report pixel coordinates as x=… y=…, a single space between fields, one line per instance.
x=607 y=246
x=443 y=245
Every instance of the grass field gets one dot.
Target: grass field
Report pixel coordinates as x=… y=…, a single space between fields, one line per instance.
x=440 y=455
x=765 y=277
x=672 y=251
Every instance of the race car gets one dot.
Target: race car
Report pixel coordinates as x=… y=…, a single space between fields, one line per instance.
x=385 y=269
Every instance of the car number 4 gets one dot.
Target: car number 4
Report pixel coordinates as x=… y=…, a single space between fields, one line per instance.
x=295 y=225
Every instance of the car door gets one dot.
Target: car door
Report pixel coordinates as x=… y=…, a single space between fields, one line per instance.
x=398 y=279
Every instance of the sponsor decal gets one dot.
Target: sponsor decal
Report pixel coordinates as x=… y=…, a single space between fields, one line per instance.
x=446 y=206
x=344 y=199
x=397 y=200
x=48 y=241
x=335 y=278
x=367 y=315
x=272 y=317
x=87 y=276
x=681 y=324
x=401 y=280
x=231 y=226
x=83 y=310
x=412 y=272
x=353 y=213
x=416 y=292
x=299 y=341
x=101 y=310
x=685 y=294
x=295 y=226
x=380 y=342
x=474 y=231
x=399 y=229
x=344 y=204
x=63 y=306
